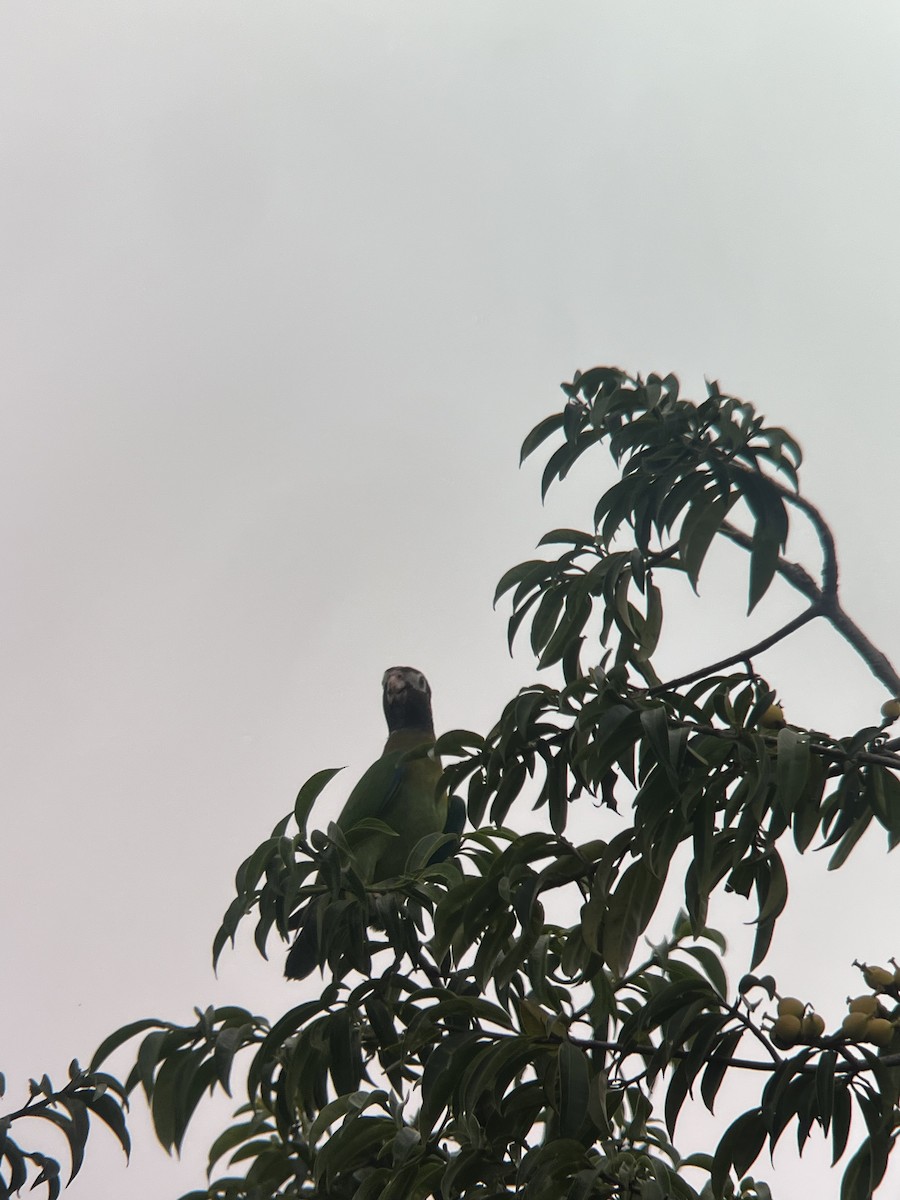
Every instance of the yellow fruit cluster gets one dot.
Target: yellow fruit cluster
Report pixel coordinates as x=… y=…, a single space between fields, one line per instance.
x=795 y=1024
x=867 y=1022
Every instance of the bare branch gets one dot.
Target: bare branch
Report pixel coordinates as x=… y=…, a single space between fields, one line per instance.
x=825 y=536
x=743 y=655
x=877 y=662
x=855 y=1066
x=827 y=604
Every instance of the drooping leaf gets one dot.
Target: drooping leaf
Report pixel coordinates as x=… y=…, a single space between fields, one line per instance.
x=628 y=914
x=544 y=429
x=309 y=793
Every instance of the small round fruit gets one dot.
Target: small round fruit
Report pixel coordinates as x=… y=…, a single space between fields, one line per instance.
x=879 y=1031
x=786 y=1031
x=855 y=1024
x=773 y=717
x=877 y=977
x=865 y=1004
x=891 y=709
x=790 y=1006
x=813 y=1026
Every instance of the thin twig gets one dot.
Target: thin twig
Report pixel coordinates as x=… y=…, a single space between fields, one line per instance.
x=743 y=655
x=824 y=534
x=855 y=1066
x=823 y=599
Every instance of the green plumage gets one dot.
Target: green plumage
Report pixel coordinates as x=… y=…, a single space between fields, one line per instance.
x=400 y=789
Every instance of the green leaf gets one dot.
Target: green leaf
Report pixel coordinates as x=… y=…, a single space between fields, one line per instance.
x=228 y=1042
x=739 y=1148
x=707 y=1033
x=170 y=1100
x=701 y=524
x=459 y=742
x=764 y=553
x=532 y=572
x=557 y=466
x=111 y=1114
x=628 y=914
x=808 y=807
x=117 y=1039
x=18 y=1171
x=656 y=727
x=840 y=1125
x=848 y=841
x=772 y=894
x=792 y=767
x=443 y=1071
x=354 y=1144
x=825 y=1087
x=883 y=793
x=866 y=1169
x=568 y=537
x=283 y=1029
x=718 y=1066
x=599 y=378
x=540 y=433
x=546 y=617
x=74 y=1131
x=233 y=1137
x=309 y=793
x=574 y=1084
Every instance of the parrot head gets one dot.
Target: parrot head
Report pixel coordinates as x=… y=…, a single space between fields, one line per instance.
x=407 y=699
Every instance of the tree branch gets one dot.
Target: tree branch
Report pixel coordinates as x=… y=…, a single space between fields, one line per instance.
x=877 y=662
x=743 y=655
x=855 y=1066
x=824 y=600
x=824 y=534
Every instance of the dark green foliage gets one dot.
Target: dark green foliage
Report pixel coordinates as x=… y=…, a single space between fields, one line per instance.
x=495 y=1022
x=69 y=1110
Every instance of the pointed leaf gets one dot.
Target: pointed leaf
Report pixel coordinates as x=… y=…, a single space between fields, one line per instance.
x=628 y=914
x=309 y=793
x=540 y=433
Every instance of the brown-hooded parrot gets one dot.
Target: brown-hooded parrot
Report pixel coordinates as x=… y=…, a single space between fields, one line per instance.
x=401 y=790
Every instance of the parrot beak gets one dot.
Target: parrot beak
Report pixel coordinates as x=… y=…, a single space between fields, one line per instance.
x=401 y=679
x=394 y=683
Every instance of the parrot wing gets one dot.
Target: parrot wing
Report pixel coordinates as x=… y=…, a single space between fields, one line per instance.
x=400 y=789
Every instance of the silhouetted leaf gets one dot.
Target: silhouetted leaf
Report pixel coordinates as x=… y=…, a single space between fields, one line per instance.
x=309 y=793
x=629 y=911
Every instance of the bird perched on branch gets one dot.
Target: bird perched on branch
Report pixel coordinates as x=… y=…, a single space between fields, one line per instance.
x=400 y=789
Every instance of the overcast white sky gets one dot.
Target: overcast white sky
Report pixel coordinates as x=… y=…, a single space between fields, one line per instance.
x=282 y=287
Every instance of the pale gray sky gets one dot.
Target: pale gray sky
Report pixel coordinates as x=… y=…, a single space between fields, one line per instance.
x=282 y=287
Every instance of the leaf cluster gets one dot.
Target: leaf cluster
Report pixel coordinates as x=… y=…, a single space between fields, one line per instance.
x=68 y=1110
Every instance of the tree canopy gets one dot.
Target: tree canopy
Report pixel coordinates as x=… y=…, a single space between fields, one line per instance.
x=497 y=1024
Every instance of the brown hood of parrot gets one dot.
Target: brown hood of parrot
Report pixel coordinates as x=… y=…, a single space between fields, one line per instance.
x=407 y=700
